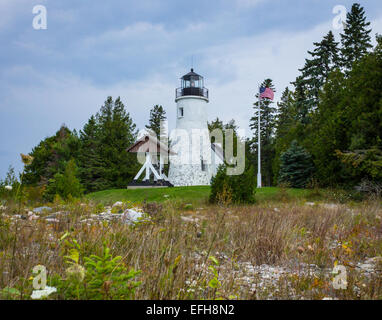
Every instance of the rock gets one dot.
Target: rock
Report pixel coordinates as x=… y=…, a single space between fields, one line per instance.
x=52 y=220
x=131 y=216
x=366 y=267
x=375 y=260
x=33 y=217
x=55 y=215
x=330 y=206
x=118 y=204
x=42 y=209
x=189 y=219
x=312 y=204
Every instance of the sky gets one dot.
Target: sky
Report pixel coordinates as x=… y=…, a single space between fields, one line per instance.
x=138 y=50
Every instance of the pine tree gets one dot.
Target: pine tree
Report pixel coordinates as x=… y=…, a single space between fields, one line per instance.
x=157 y=115
x=65 y=184
x=92 y=167
x=316 y=70
x=285 y=127
x=116 y=133
x=356 y=39
x=296 y=167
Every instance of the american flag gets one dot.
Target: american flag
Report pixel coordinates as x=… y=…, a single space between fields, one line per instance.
x=266 y=93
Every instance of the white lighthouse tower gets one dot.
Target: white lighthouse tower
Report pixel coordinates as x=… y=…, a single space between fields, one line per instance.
x=196 y=159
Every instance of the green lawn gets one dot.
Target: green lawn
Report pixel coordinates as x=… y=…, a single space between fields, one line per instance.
x=194 y=195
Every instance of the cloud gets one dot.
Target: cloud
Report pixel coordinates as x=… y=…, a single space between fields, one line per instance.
x=142 y=63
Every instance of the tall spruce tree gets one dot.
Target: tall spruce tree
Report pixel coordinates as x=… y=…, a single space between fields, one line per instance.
x=157 y=115
x=285 y=127
x=117 y=132
x=92 y=168
x=268 y=121
x=324 y=59
x=355 y=39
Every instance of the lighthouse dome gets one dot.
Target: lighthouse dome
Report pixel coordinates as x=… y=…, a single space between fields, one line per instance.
x=192 y=84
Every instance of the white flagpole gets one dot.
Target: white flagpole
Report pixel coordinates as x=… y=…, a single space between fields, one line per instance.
x=259 y=184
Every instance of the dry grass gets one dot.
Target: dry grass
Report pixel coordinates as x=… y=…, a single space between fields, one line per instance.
x=289 y=237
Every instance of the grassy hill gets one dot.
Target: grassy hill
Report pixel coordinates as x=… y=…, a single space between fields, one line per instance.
x=194 y=195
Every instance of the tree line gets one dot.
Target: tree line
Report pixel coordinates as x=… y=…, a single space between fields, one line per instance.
x=329 y=127
x=326 y=129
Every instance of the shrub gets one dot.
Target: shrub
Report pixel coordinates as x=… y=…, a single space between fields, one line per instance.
x=236 y=189
x=296 y=167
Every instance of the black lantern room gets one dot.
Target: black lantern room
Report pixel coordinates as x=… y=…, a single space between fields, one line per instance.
x=192 y=85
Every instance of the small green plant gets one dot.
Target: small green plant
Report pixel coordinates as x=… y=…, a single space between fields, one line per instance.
x=214 y=283
x=99 y=278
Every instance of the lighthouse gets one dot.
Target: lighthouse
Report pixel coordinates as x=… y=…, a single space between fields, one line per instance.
x=195 y=159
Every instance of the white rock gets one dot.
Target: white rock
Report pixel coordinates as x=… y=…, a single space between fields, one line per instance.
x=312 y=204
x=118 y=204
x=330 y=206
x=41 y=209
x=33 y=217
x=367 y=267
x=9 y=188
x=189 y=219
x=131 y=216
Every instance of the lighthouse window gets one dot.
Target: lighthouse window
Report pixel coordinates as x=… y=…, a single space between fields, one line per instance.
x=204 y=165
x=181 y=113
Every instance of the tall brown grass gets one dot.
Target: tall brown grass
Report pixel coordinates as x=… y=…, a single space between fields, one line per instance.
x=290 y=236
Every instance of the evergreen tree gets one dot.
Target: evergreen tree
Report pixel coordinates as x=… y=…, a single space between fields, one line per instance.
x=301 y=101
x=157 y=115
x=116 y=133
x=296 y=167
x=268 y=122
x=285 y=127
x=92 y=167
x=51 y=156
x=324 y=59
x=355 y=39
x=65 y=185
